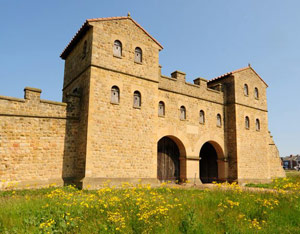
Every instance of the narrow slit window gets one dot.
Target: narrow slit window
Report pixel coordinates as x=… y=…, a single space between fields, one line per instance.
x=182 y=113
x=256 y=95
x=161 y=108
x=247 y=122
x=117 y=48
x=138 y=55
x=115 y=94
x=257 y=123
x=202 y=117
x=137 y=99
x=246 y=91
x=219 y=120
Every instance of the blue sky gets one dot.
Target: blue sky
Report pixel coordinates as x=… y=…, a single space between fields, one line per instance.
x=201 y=38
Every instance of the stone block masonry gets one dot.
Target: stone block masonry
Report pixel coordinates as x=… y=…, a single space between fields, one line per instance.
x=33 y=140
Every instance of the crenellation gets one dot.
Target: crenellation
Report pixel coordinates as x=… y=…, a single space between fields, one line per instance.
x=202 y=92
x=217 y=87
x=179 y=76
x=32 y=94
x=200 y=81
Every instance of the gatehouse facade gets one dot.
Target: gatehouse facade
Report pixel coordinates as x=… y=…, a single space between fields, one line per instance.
x=122 y=120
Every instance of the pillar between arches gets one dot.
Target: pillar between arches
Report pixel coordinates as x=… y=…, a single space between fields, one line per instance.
x=223 y=167
x=192 y=170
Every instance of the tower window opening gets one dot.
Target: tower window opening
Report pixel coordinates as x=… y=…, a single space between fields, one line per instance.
x=115 y=95
x=137 y=99
x=117 y=48
x=138 y=55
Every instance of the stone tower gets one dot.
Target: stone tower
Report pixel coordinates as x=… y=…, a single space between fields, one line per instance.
x=111 y=132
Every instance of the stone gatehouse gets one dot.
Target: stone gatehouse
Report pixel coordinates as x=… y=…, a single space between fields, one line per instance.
x=121 y=119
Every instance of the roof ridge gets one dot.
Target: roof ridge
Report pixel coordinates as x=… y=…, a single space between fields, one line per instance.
x=81 y=30
x=107 y=18
x=125 y=17
x=240 y=69
x=73 y=38
x=235 y=71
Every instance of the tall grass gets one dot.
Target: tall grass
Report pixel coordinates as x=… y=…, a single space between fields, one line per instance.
x=142 y=209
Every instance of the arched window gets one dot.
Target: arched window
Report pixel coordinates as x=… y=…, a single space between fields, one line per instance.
x=182 y=113
x=247 y=122
x=115 y=94
x=84 y=49
x=161 y=108
x=256 y=95
x=219 y=120
x=246 y=91
x=257 y=123
x=201 y=117
x=137 y=100
x=138 y=55
x=117 y=48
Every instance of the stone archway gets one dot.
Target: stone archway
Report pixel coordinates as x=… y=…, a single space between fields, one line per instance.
x=212 y=163
x=171 y=161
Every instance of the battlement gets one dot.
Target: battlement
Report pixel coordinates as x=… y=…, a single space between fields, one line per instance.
x=199 y=89
x=33 y=106
x=32 y=93
x=178 y=75
x=200 y=81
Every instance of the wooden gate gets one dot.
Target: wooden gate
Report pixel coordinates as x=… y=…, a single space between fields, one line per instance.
x=168 y=165
x=208 y=164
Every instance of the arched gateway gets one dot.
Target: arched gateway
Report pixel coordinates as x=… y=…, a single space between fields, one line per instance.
x=169 y=164
x=211 y=168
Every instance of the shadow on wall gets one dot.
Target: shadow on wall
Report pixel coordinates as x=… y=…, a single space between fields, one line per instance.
x=73 y=166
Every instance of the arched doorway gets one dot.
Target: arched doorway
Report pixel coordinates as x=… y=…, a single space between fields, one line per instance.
x=168 y=160
x=208 y=163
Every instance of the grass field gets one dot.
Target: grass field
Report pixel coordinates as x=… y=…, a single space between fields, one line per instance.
x=142 y=209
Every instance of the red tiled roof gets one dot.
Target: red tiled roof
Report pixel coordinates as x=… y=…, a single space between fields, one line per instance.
x=83 y=29
x=86 y=26
x=238 y=70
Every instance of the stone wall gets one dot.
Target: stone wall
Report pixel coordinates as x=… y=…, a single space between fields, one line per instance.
x=121 y=138
x=77 y=82
x=131 y=36
x=79 y=59
x=274 y=160
x=115 y=146
x=248 y=150
x=32 y=140
x=82 y=86
x=252 y=144
x=192 y=135
x=199 y=90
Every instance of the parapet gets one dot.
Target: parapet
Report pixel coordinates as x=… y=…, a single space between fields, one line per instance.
x=180 y=76
x=33 y=106
x=33 y=94
x=218 y=87
x=200 y=81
